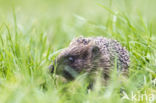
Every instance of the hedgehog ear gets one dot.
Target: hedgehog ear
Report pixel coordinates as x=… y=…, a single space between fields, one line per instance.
x=95 y=51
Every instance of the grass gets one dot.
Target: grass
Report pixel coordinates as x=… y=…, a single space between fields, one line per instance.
x=33 y=32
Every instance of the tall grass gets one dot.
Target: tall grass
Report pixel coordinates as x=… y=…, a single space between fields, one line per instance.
x=33 y=32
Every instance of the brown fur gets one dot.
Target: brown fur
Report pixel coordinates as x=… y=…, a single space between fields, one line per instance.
x=89 y=54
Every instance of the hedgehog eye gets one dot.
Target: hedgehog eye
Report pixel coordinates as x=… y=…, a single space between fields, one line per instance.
x=71 y=59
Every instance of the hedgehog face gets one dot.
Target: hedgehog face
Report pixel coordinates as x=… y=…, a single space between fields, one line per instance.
x=79 y=57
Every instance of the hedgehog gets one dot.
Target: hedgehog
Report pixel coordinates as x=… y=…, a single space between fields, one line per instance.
x=87 y=55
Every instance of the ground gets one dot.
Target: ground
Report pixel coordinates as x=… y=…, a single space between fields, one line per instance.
x=33 y=32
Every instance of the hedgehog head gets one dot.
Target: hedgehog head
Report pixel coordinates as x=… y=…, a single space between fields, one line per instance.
x=81 y=55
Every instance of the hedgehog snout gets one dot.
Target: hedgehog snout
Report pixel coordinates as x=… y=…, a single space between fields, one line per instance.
x=51 y=68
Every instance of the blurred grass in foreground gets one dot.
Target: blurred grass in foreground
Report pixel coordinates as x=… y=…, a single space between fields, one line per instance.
x=31 y=32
